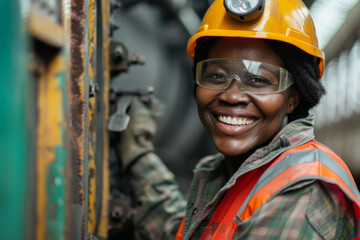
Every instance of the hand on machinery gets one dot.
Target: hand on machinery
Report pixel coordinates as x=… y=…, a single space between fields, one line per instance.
x=137 y=139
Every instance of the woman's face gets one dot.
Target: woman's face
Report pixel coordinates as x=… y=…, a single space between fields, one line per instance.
x=263 y=114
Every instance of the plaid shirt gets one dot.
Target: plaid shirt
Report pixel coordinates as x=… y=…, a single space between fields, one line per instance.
x=308 y=210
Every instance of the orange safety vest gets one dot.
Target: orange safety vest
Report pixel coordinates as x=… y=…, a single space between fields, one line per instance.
x=310 y=161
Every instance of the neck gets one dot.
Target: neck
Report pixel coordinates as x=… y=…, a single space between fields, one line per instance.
x=232 y=164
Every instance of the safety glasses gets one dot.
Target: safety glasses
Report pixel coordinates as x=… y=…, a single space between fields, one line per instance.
x=252 y=76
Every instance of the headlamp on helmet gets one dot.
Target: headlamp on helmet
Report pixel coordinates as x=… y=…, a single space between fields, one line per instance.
x=245 y=10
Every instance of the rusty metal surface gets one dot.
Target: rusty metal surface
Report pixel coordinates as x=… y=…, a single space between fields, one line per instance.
x=70 y=185
x=78 y=101
x=89 y=141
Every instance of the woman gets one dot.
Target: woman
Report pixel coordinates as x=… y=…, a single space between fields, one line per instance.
x=256 y=82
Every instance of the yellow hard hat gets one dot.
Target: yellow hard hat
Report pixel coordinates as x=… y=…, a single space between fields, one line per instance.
x=287 y=21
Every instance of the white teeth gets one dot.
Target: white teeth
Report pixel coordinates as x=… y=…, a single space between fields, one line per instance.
x=235 y=121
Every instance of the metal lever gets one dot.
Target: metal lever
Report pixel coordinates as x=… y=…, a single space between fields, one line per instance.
x=119 y=120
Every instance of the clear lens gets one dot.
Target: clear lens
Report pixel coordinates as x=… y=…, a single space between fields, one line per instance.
x=252 y=76
x=242 y=6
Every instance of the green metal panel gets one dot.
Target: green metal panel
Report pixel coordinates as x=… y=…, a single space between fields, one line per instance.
x=55 y=181
x=13 y=137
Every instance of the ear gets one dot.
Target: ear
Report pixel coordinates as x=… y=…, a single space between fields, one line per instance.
x=294 y=100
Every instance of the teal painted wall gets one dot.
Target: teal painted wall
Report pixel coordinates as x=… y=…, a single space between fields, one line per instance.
x=13 y=137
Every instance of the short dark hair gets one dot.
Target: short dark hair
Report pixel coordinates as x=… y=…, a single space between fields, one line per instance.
x=301 y=65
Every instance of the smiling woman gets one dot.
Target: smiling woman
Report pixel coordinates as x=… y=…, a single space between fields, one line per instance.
x=265 y=113
x=256 y=84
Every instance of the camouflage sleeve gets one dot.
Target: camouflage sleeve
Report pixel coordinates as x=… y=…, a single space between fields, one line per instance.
x=159 y=204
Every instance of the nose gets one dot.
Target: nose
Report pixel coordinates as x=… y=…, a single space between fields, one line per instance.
x=234 y=95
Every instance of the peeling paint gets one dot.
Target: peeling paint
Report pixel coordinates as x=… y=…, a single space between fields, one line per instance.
x=71 y=175
x=78 y=111
x=51 y=152
x=55 y=206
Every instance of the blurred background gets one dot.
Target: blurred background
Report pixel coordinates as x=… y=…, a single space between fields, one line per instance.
x=62 y=65
x=159 y=30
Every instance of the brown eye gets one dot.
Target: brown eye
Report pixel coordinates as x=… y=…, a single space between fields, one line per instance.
x=215 y=78
x=258 y=82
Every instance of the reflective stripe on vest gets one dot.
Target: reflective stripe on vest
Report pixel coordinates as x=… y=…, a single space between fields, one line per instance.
x=309 y=161
x=288 y=169
x=179 y=234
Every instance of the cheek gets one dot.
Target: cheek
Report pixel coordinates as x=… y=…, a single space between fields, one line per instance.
x=274 y=109
x=202 y=99
x=201 y=105
x=199 y=100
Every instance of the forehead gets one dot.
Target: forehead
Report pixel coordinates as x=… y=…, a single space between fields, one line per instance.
x=242 y=48
x=237 y=65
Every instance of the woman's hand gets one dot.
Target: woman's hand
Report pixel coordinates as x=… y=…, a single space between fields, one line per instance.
x=137 y=139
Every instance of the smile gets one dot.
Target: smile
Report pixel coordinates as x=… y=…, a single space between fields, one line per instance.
x=235 y=121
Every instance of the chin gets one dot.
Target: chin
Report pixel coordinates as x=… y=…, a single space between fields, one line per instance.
x=232 y=150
